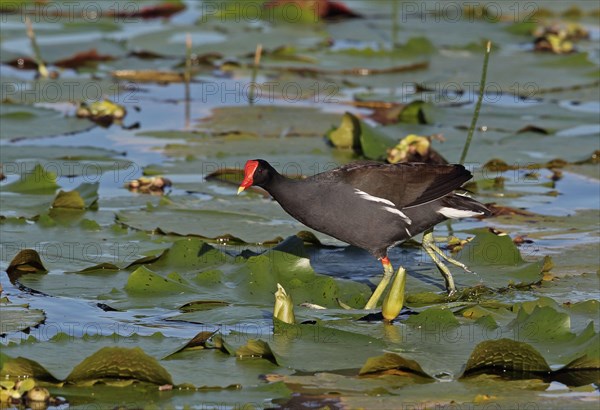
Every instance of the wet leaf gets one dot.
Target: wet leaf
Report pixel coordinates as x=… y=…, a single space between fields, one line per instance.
x=347 y=134
x=268 y=121
x=505 y=355
x=256 y=348
x=497 y=259
x=149 y=76
x=26 y=261
x=100 y=268
x=17 y=318
x=433 y=317
x=162 y=10
x=25 y=121
x=389 y=363
x=83 y=58
x=202 y=305
x=414 y=113
x=119 y=363
x=144 y=281
x=12 y=368
x=355 y=133
x=39 y=181
x=85 y=196
x=198 y=342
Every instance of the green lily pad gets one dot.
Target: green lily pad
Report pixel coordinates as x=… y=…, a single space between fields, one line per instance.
x=144 y=281
x=17 y=318
x=119 y=363
x=268 y=121
x=433 y=317
x=498 y=261
x=25 y=121
x=504 y=355
x=256 y=348
x=198 y=342
x=85 y=196
x=13 y=368
x=391 y=361
x=39 y=181
x=365 y=139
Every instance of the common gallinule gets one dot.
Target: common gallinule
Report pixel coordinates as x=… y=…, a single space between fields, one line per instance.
x=372 y=205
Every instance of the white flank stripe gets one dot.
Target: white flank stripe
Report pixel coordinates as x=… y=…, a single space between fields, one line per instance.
x=457 y=213
x=372 y=198
x=398 y=212
x=391 y=207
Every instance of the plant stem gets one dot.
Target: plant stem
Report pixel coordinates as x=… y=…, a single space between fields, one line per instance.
x=187 y=76
x=36 y=50
x=395 y=25
x=252 y=91
x=486 y=58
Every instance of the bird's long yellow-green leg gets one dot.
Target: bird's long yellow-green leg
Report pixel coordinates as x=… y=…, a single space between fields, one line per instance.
x=388 y=271
x=430 y=247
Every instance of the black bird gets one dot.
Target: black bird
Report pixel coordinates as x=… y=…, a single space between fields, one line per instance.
x=373 y=206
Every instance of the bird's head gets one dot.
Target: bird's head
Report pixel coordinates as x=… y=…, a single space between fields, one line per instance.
x=257 y=172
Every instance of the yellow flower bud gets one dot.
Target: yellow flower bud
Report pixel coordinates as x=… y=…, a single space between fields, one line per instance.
x=392 y=304
x=284 y=307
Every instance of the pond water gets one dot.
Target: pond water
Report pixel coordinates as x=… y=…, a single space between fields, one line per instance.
x=224 y=254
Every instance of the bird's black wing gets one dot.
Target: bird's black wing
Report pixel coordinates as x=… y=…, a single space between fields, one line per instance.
x=406 y=185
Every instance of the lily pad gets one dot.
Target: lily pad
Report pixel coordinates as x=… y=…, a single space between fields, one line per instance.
x=17 y=318
x=392 y=362
x=39 y=181
x=506 y=355
x=85 y=196
x=20 y=366
x=25 y=121
x=268 y=121
x=118 y=363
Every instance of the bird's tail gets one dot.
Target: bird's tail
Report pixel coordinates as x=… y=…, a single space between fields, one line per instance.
x=462 y=206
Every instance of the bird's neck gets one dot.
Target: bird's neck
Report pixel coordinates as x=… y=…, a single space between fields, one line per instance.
x=281 y=188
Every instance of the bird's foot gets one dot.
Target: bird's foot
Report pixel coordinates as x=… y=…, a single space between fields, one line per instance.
x=429 y=241
x=435 y=253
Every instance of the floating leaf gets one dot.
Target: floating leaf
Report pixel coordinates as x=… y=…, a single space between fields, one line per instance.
x=83 y=58
x=256 y=348
x=505 y=355
x=198 y=342
x=22 y=367
x=543 y=324
x=119 y=363
x=104 y=267
x=39 y=181
x=19 y=318
x=27 y=121
x=434 y=318
x=414 y=113
x=498 y=260
x=202 y=305
x=347 y=134
x=26 y=261
x=391 y=363
x=268 y=121
x=144 y=281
